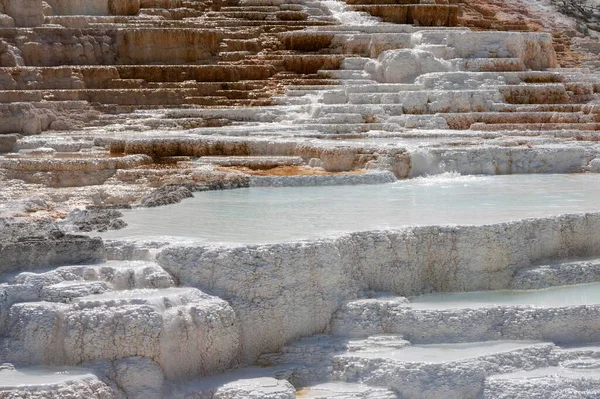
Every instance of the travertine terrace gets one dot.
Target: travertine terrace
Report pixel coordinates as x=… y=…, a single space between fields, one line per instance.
x=285 y=119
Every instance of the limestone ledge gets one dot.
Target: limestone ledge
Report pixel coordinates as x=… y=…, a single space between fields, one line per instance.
x=380 y=361
x=79 y=165
x=55 y=386
x=502 y=160
x=186 y=332
x=298 y=287
x=331 y=158
x=566 y=324
x=324 y=180
x=35 y=116
x=487 y=160
x=319 y=276
x=30 y=246
x=55 y=46
x=69 y=172
x=545 y=383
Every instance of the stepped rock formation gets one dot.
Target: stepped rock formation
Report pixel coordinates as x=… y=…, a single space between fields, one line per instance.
x=151 y=111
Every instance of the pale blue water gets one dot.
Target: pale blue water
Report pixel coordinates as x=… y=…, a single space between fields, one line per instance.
x=569 y=295
x=265 y=215
x=439 y=353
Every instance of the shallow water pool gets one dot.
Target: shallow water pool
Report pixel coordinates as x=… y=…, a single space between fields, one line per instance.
x=568 y=295
x=266 y=215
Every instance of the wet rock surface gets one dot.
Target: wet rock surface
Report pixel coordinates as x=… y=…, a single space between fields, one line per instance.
x=110 y=105
x=175 y=193
x=27 y=245
x=94 y=219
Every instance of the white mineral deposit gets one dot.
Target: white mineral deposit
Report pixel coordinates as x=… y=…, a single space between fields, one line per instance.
x=278 y=199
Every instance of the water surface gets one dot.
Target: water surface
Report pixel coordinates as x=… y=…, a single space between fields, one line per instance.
x=568 y=295
x=441 y=353
x=267 y=215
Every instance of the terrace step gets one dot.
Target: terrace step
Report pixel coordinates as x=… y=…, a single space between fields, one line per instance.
x=585 y=108
x=549 y=119
x=433 y=371
x=489 y=64
x=557 y=273
x=443 y=80
x=361 y=109
x=378 y=2
x=567 y=381
x=51 y=383
x=535 y=94
x=250 y=382
x=585 y=126
x=119 y=274
x=348 y=128
x=418 y=14
x=336 y=390
x=264 y=162
x=478 y=316
x=150 y=321
x=333 y=118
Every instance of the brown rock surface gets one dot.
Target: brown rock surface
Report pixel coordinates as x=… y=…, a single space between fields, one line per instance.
x=96 y=72
x=514 y=15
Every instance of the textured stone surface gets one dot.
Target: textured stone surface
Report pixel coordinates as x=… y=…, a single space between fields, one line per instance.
x=38 y=384
x=559 y=273
x=151 y=323
x=406 y=262
x=143 y=102
x=33 y=246
x=25 y=13
x=94 y=219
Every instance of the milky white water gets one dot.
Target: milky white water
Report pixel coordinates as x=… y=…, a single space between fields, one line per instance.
x=264 y=215
x=343 y=13
x=550 y=372
x=570 y=295
x=41 y=376
x=439 y=353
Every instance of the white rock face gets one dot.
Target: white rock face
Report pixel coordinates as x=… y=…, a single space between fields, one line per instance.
x=550 y=382
x=340 y=313
x=6 y=21
x=557 y=273
x=437 y=371
x=275 y=306
x=571 y=324
x=331 y=272
x=64 y=284
x=148 y=323
x=24 y=118
x=259 y=388
x=595 y=165
x=535 y=50
x=498 y=160
x=52 y=384
x=403 y=66
x=336 y=180
x=250 y=382
x=139 y=377
x=121 y=275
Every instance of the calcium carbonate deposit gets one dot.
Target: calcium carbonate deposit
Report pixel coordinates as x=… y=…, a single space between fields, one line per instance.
x=278 y=199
